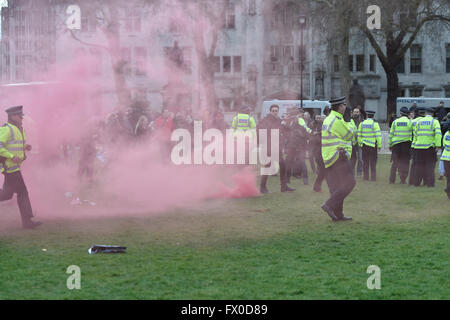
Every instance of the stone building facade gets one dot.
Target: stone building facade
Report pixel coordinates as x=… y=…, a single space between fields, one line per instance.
x=258 y=56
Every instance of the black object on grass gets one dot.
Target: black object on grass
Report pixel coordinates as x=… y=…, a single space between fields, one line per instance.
x=106 y=249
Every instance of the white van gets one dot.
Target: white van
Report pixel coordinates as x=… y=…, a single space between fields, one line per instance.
x=312 y=106
x=422 y=102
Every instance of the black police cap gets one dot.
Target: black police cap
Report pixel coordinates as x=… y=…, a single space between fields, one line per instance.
x=337 y=101
x=17 y=110
x=404 y=110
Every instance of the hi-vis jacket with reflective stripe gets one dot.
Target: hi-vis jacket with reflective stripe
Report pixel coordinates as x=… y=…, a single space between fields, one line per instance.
x=302 y=122
x=12 y=143
x=243 y=122
x=414 y=124
x=336 y=135
x=401 y=131
x=369 y=134
x=446 y=144
x=427 y=133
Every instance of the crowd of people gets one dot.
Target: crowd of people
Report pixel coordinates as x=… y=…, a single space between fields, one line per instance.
x=340 y=145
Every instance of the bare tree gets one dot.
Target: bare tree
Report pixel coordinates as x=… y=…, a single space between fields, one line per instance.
x=334 y=18
x=401 y=24
x=208 y=22
x=107 y=16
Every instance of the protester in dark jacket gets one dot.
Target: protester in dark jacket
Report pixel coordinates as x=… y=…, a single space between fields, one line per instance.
x=271 y=122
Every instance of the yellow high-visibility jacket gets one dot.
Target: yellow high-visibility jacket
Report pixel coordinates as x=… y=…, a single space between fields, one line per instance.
x=369 y=134
x=12 y=143
x=336 y=135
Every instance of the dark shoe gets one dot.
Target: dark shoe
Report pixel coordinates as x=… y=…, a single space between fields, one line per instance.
x=390 y=182
x=403 y=182
x=330 y=212
x=286 y=188
x=264 y=190
x=31 y=224
x=344 y=218
x=317 y=190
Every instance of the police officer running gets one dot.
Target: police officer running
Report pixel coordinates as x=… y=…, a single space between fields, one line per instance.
x=337 y=135
x=400 y=137
x=12 y=154
x=369 y=139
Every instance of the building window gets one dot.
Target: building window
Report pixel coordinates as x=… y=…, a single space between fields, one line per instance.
x=252 y=7
x=401 y=66
x=447 y=92
x=126 y=60
x=301 y=53
x=274 y=53
x=226 y=64
x=372 y=63
x=230 y=17
x=288 y=53
x=415 y=92
x=402 y=93
x=336 y=63
x=175 y=26
x=215 y=62
x=227 y=104
x=237 y=64
x=360 y=63
x=140 y=54
x=416 y=58
x=132 y=20
x=350 y=63
x=447 y=61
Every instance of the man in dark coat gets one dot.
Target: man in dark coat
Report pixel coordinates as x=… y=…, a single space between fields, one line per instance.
x=296 y=145
x=271 y=122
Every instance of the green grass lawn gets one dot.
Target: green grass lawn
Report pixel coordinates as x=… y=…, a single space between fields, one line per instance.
x=280 y=246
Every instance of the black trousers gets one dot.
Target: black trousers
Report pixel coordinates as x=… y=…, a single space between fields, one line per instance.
x=412 y=171
x=400 y=161
x=296 y=163
x=14 y=183
x=425 y=164
x=320 y=173
x=356 y=158
x=341 y=182
x=447 y=174
x=369 y=156
x=282 y=173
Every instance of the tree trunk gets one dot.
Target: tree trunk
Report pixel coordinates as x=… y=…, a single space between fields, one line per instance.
x=113 y=36
x=206 y=68
x=392 y=93
x=344 y=40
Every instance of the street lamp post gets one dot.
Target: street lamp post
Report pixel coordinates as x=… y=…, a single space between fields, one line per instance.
x=302 y=21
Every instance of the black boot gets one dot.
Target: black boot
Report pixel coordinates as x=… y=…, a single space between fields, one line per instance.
x=330 y=212
x=30 y=224
x=286 y=188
